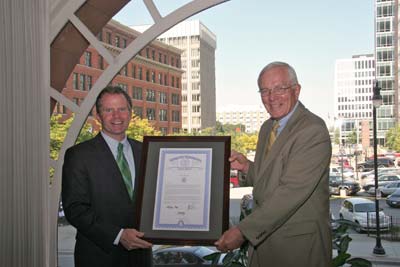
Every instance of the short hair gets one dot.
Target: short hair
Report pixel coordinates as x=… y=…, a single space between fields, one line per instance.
x=113 y=90
x=290 y=70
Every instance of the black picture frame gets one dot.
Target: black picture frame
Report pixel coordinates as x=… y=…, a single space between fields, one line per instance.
x=219 y=192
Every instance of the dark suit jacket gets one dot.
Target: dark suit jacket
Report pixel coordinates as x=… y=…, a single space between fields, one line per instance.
x=97 y=204
x=290 y=224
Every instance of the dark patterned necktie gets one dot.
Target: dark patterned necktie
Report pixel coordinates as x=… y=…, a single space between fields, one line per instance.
x=124 y=168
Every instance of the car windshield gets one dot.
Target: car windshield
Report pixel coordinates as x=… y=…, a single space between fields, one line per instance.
x=203 y=251
x=364 y=207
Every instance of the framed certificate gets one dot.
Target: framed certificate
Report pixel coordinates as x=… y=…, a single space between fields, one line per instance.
x=183 y=189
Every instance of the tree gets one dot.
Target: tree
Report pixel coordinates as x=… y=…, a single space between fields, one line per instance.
x=337 y=136
x=140 y=127
x=393 y=138
x=58 y=132
x=352 y=137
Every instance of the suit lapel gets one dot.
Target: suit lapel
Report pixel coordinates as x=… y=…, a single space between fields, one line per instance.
x=109 y=165
x=267 y=160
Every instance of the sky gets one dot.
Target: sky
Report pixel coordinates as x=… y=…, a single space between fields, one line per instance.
x=309 y=35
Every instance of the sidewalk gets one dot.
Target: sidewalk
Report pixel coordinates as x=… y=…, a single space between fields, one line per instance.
x=362 y=246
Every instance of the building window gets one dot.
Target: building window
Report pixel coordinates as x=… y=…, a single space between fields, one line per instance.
x=196 y=108
x=124 y=71
x=153 y=55
x=101 y=63
x=165 y=59
x=117 y=43
x=163 y=98
x=89 y=82
x=147 y=75
x=163 y=115
x=177 y=82
x=151 y=114
x=175 y=115
x=108 y=36
x=160 y=80
x=160 y=57
x=133 y=71
x=140 y=73
x=172 y=61
x=137 y=93
x=138 y=111
x=164 y=130
x=175 y=99
x=165 y=79
x=151 y=95
x=75 y=80
x=82 y=82
x=147 y=52
x=173 y=81
x=176 y=130
x=153 y=77
x=196 y=97
x=88 y=58
x=124 y=42
x=100 y=36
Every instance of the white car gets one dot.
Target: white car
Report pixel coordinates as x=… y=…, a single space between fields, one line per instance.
x=390 y=188
x=362 y=212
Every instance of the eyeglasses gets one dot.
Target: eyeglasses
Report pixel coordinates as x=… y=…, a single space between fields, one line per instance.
x=112 y=110
x=275 y=91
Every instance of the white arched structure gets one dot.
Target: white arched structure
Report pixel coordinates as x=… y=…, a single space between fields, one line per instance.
x=28 y=208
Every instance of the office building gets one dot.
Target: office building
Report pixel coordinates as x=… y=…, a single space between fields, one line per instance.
x=251 y=116
x=152 y=78
x=198 y=45
x=387 y=64
x=354 y=81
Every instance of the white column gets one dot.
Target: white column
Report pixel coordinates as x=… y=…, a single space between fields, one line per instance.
x=24 y=134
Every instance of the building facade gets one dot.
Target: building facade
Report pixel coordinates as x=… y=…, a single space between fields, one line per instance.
x=152 y=78
x=198 y=45
x=354 y=81
x=387 y=64
x=251 y=116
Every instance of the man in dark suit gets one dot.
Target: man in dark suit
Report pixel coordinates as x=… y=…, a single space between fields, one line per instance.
x=289 y=225
x=98 y=182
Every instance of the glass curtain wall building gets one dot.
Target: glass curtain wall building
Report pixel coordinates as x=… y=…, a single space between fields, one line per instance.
x=387 y=64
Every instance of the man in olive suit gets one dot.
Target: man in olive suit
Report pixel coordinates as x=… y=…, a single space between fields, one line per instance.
x=289 y=225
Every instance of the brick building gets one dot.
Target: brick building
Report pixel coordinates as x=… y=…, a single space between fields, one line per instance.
x=152 y=78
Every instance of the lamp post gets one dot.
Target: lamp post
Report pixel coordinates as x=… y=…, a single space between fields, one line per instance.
x=376 y=102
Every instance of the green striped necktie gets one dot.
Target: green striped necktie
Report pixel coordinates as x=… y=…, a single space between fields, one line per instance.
x=124 y=168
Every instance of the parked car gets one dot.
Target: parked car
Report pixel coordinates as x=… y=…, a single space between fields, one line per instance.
x=348 y=184
x=362 y=212
x=393 y=200
x=389 y=188
x=233 y=179
x=382 y=180
x=369 y=164
x=183 y=257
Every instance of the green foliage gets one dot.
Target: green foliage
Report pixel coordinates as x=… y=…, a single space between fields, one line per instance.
x=58 y=132
x=337 y=136
x=341 y=242
x=352 y=137
x=140 y=127
x=393 y=138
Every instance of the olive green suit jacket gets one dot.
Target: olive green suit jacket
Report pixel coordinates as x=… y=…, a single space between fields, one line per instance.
x=290 y=223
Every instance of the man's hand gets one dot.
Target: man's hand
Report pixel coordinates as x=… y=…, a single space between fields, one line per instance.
x=239 y=162
x=230 y=240
x=131 y=239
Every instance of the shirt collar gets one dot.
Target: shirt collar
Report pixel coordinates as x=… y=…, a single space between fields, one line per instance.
x=113 y=144
x=284 y=120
